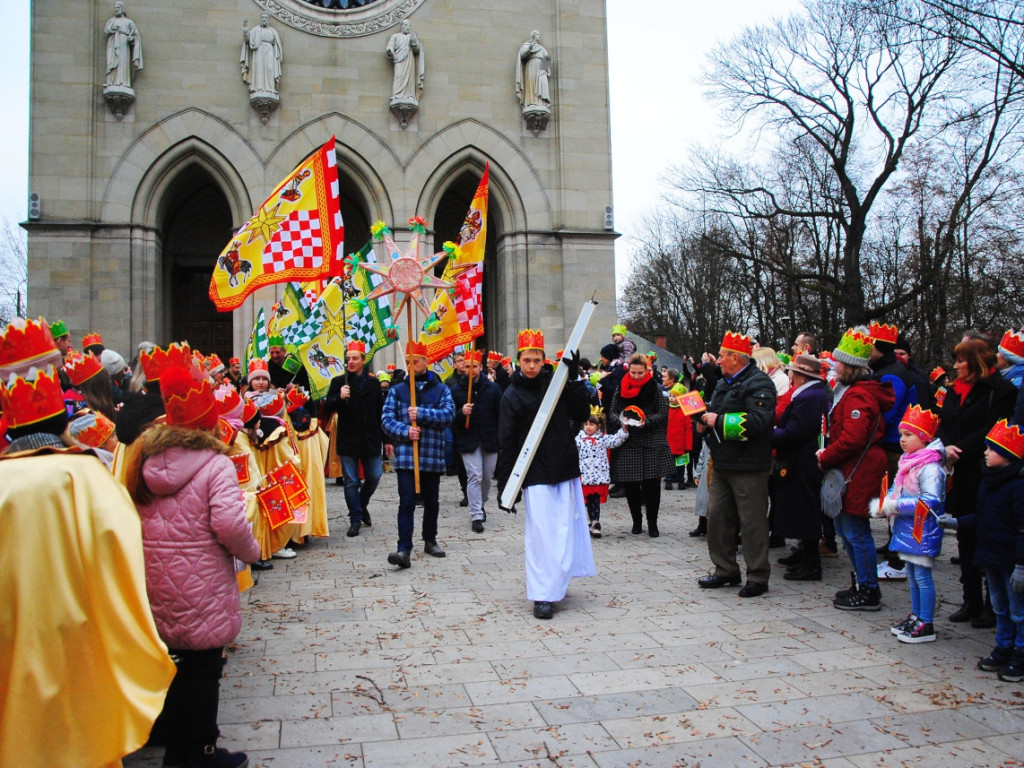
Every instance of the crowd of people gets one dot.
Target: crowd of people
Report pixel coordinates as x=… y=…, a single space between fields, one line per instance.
x=181 y=476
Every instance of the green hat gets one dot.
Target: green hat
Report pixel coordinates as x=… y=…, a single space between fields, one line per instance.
x=854 y=349
x=275 y=341
x=619 y=329
x=58 y=329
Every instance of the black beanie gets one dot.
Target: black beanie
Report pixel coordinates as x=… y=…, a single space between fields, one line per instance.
x=610 y=352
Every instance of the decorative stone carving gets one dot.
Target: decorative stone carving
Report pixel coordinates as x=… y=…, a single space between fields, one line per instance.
x=533 y=69
x=349 y=22
x=261 y=65
x=410 y=61
x=124 y=58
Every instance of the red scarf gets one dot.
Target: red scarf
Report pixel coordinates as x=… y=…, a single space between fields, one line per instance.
x=631 y=388
x=962 y=388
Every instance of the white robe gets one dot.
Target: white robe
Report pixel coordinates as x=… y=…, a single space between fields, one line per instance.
x=557 y=539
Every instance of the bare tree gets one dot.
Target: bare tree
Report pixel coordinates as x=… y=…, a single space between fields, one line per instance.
x=13 y=271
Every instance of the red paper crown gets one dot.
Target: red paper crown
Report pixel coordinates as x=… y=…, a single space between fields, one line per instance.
x=558 y=354
x=214 y=364
x=531 y=339
x=921 y=422
x=936 y=374
x=356 y=346
x=1013 y=342
x=475 y=356
x=295 y=398
x=25 y=344
x=634 y=412
x=494 y=357
x=91 y=338
x=887 y=333
x=273 y=405
x=506 y=360
x=738 y=342
x=234 y=361
x=188 y=402
x=391 y=366
x=249 y=410
x=1009 y=438
x=227 y=398
x=158 y=360
x=258 y=366
x=80 y=368
x=26 y=402
x=97 y=433
x=416 y=349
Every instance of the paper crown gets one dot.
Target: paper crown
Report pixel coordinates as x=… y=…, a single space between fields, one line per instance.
x=356 y=346
x=188 y=402
x=158 y=360
x=652 y=356
x=475 y=356
x=506 y=360
x=887 y=333
x=738 y=342
x=276 y=341
x=213 y=364
x=494 y=357
x=80 y=368
x=91 y=429
x=26 y=344
x=937 y=373
x=531 y=339
x=90 y=339
x=597 y=411
x=922 y=423
x=1006 y=439
x=391 y=366
x=58 y=329
x=272 y=405
x=258 y=370
x=634 y=412
x=32 y=398
x=227 y=398
x=618 y=330
x=234 y=361
x=854 y=349
x=295 y=398
x=1012 y=343
x=416 y=349
x=940 y=397
x=559 y=353
x=249 y=411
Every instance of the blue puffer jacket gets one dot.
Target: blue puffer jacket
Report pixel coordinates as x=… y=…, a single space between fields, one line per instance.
x=931 y=480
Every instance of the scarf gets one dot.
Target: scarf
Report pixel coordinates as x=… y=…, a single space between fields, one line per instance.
x=631 y=388
x=962 y=388
x=906 y=476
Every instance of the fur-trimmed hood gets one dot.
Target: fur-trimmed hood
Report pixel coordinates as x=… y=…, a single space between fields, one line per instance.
x=172 y=455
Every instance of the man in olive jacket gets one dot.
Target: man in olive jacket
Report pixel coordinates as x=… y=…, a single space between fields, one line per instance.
x=738 y=429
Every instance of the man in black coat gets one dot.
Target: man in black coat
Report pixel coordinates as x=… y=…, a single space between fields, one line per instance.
x=358 y=400
x=277 y=367
x=476 y=442
x=738 y=429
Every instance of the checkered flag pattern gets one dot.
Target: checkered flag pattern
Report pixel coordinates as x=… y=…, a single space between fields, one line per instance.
x=296 y=245
x=469 y=297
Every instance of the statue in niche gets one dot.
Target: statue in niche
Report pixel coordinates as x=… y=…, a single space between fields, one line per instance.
x=124 y=58
x=533 y=68
x=410 y=61
x=261 y=65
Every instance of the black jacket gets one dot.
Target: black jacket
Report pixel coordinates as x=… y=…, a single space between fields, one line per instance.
x=483 y=425
x=999 y=521
x=557 y=459
x=750 y=393
x=359 y=430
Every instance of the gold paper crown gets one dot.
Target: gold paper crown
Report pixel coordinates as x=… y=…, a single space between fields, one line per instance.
x=887 y=333
x=922 y=423
x=91 y=338
x=1007 y=437
x=1013 y=342
x=188 y=402
x=416 y=349
x=356 y=346
x=30 y=399
x=25 y=344
x=92 y=429
x=619 y=330
x=738 y=342
x=475 y=356
x=295 y=398
x=531 y=339
x=597 y=410
x=227 y=398
x=158 y=360
x=80 y=368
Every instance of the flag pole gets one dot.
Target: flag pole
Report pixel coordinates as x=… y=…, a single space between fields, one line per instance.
x=469 y=394
x=412 y=401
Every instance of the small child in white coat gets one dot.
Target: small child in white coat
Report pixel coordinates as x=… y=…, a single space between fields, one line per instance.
x=593 y=445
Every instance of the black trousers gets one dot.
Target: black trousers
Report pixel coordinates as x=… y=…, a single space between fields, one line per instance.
x=190 y=709
x=646 y=493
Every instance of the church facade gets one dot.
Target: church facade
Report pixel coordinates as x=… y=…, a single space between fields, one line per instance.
x=157 y=128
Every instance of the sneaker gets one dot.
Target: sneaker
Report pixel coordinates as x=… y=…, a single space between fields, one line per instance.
x=996 y=660
x=262 y=565
x=842 y=594
x=863 y=599
x=218 y=757
x=284 y=554
x=919 y=633
x=904 y=626
x=595 y=529
x=1014 y=671
x=887 y=573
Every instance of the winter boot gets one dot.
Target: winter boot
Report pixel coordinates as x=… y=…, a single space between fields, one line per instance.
x=212 y=756
x=865 y=598
x=652 y=525
x=1014 y=671
x=638 y=522
x=702 y=527
x=809 y=568
x=845 y=593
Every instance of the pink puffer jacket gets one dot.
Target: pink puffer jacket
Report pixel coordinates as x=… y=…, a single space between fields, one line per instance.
x=190 y=530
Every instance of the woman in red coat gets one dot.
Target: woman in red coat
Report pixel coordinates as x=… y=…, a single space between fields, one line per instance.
x=855 y=430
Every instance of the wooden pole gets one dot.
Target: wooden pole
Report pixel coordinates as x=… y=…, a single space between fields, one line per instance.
x=469 y=393
x=412 y=402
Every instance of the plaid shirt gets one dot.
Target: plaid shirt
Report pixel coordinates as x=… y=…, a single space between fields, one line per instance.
x=435 y=412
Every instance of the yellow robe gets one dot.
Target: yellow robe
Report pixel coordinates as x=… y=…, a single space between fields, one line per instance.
x=83 y=672
x=276 y=450
x=238 y=445
x=312 y=445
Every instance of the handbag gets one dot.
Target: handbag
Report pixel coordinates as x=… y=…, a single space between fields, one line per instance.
x=833 y=484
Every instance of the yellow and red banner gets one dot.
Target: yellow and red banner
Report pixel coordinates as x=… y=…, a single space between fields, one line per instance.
x=297 y=234
x=456 y=314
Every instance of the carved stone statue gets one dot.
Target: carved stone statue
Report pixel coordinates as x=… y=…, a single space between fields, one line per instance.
x=261 y=65
x=410 y=61
x=533 y=68
x=124 y=57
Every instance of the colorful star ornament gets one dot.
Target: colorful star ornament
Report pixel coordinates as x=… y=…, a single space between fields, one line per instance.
x=406 y=275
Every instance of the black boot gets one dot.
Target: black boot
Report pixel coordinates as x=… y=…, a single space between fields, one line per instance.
x=638 y=522
x=809 y=568
x=652 y=526
x=702 y=527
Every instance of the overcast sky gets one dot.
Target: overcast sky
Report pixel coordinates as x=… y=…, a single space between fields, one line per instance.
x=656 y=50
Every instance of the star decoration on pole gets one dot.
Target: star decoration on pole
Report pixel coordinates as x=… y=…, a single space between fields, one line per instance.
x=406 y=275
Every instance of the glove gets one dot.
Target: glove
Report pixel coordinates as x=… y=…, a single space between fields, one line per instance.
x=1017 y=579
x=572 y=364
x=890 y=506
x=947 y=522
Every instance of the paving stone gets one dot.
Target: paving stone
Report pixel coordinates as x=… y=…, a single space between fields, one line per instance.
x=798 y=711
x=728 y=752
x=796 y=745
x=336 y=730
x=933 y=727
x=698 y=724
x=963 y=754
x=434 y=752
x=519 y=689
x=615 y=706
x=528 y=743
x=448 y=721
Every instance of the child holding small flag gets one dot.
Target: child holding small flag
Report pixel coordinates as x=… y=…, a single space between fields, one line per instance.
x=913 y=504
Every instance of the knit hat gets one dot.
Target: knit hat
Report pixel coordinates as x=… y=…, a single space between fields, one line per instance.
x=258 y=370
x=854 y=349
x=610 y=352
x=112 y=362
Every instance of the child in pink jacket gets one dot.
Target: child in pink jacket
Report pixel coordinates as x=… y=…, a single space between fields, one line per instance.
x=193 y=527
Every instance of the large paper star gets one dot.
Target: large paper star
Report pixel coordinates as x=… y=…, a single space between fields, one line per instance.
x=406 y=275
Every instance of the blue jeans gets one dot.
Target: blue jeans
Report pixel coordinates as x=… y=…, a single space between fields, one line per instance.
x=860 y=547
x=430 y=486
x=357 y=495
x=922 y=592
x=1008 y=606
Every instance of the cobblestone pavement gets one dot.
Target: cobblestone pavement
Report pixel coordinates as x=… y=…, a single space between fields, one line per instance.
x=343 y=660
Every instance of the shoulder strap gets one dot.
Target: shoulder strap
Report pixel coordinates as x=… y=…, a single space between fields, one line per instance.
x=866 y=447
